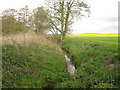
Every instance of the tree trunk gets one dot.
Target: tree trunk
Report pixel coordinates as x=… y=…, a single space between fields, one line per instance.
x=67 y=17
x=62 y=22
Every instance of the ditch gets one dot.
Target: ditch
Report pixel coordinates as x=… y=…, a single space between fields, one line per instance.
x=70 y=66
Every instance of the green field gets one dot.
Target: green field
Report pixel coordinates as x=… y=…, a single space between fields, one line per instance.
x=38 y=62
x=96 y=60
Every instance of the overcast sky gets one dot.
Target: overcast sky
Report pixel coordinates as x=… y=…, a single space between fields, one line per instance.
x=103 y=18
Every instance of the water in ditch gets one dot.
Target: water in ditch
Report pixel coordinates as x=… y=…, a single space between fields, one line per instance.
x=70 y=66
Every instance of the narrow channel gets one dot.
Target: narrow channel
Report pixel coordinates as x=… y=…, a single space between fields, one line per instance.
x=70 y=66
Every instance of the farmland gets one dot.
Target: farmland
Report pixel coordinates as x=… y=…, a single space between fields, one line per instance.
x=97 y=35
x=36 y=61
x=96 y=60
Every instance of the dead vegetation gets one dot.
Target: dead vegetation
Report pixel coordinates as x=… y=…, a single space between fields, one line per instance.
x=109 y=63
x=26 y=39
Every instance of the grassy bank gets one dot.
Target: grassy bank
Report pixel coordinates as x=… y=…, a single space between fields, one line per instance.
x=96 y=61
x=32 y=61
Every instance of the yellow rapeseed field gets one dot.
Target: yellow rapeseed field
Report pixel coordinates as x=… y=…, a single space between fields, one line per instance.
x=98 y=35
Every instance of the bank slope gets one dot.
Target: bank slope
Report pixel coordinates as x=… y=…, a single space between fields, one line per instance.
x=32 y=61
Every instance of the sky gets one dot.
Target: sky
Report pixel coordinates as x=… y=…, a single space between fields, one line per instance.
x=103 y=17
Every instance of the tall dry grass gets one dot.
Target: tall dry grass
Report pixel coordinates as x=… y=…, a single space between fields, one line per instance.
x=20 y=38
x=26 y=39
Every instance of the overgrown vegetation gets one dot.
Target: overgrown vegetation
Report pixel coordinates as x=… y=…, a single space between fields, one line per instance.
x=96 y=60
x=32 y=61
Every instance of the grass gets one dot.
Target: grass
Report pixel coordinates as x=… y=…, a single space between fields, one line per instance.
x=32 y=61
x=96 y=60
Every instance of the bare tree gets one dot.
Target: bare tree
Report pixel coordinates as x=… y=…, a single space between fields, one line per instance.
x=24 y=13
x=63 y=13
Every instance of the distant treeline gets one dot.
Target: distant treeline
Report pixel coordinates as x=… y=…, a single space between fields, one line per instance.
x=23 y=20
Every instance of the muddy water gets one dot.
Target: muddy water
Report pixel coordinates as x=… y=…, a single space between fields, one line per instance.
x=70 y=66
